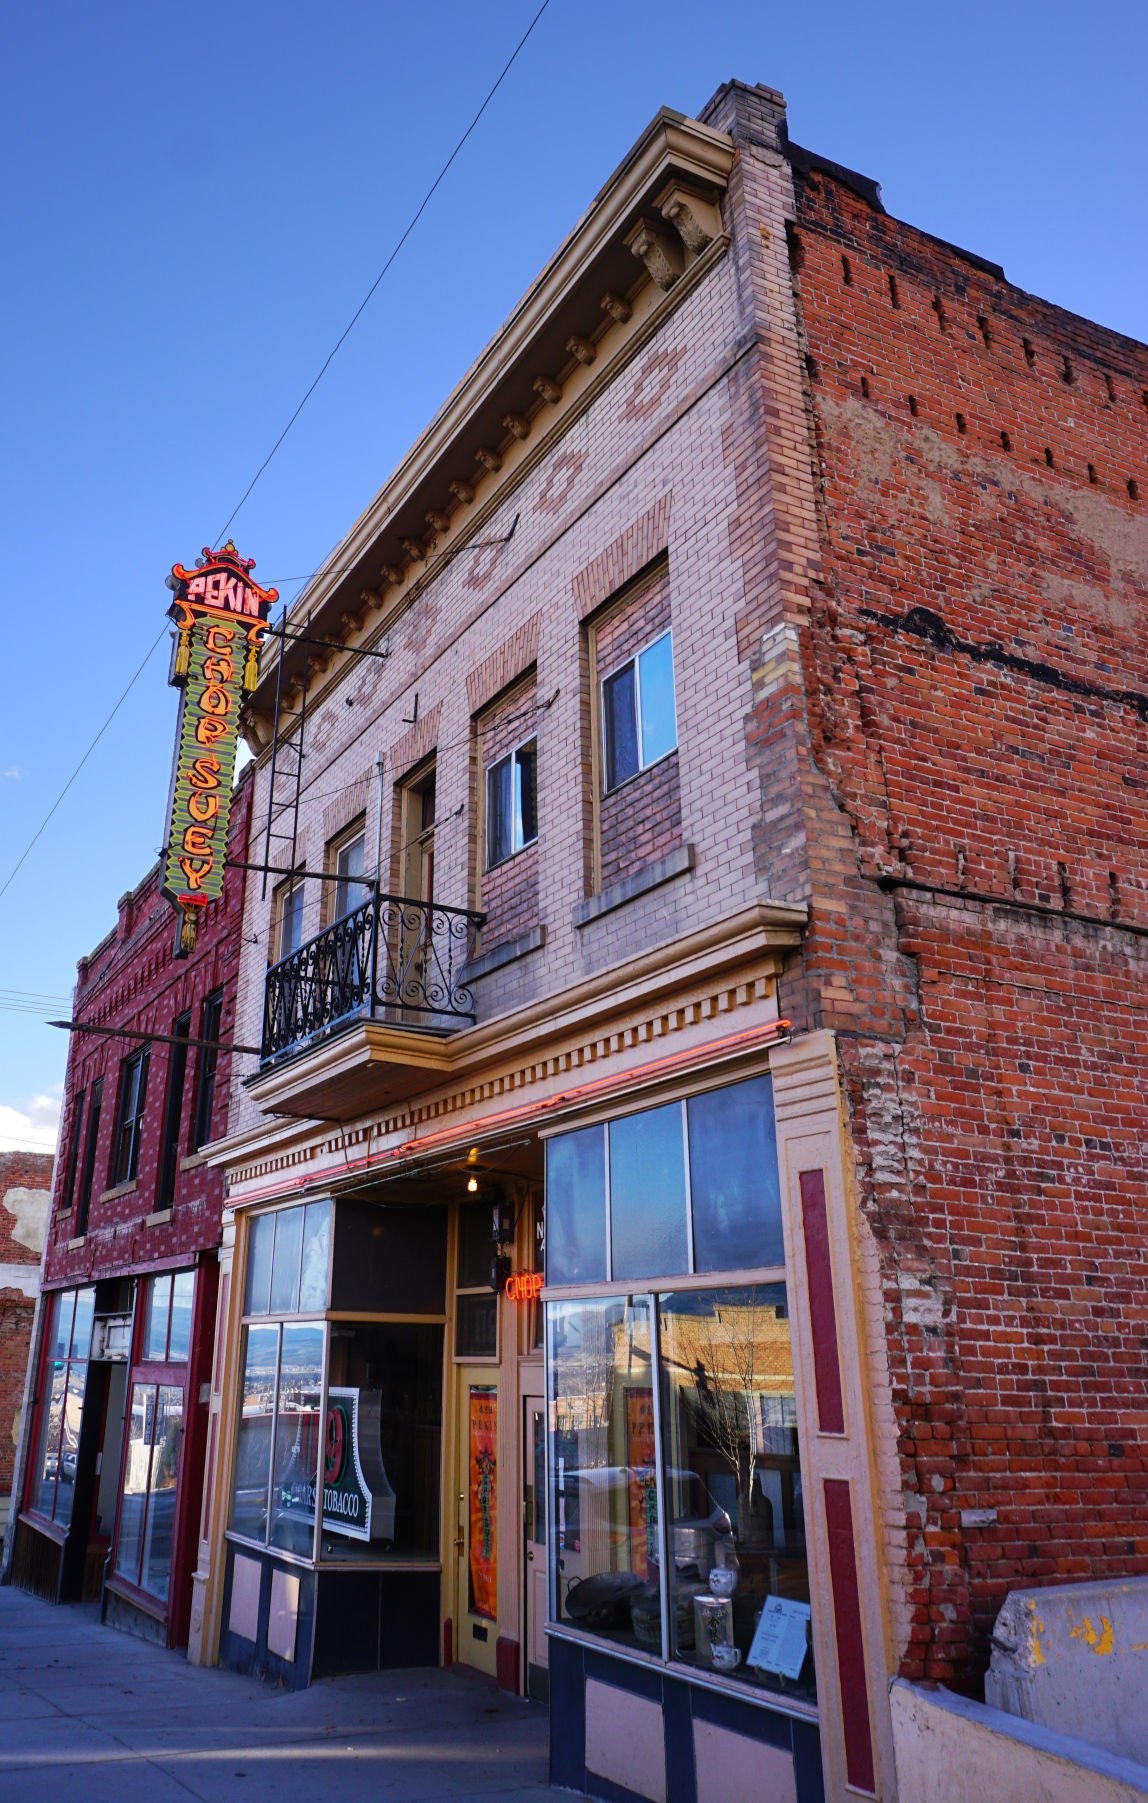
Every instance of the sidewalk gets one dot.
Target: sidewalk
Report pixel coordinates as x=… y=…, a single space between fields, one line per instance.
x=90 y=1713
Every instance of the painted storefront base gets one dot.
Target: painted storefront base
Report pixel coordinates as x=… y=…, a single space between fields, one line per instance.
x=623 y=1730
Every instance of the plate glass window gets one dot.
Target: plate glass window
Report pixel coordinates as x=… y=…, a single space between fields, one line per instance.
x=639 y=721
x=511 y=804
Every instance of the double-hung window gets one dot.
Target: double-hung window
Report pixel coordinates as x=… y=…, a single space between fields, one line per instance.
x=209 y=1028
x=511 y=803
x=290 y=934
x=129 y=1122
x=349 y=865
x=639 y=722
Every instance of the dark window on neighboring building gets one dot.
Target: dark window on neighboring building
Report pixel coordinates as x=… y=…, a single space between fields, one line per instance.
x=208 y=1064
x=639 y=724
x=173 y=1112
x=69 y=1189
x=511 y=803
x=129 y=1119
x=89 y=1174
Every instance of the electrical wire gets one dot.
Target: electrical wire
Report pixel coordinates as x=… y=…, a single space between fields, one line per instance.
x=133 y=679
x=328 y=360
x=364 y=303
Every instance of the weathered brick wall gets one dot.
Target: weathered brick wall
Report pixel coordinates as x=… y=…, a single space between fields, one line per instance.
x=975 y=685
x=133 y=980
x=25 y=1189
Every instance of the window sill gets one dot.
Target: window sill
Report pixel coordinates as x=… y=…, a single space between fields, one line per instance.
x=192 y=1162
x=74 y=1245
x=160 y=1218
x=651 y=876
x=500 y=955
x=119 y=1189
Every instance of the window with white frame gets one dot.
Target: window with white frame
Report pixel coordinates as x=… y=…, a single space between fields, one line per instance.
x=639 y=721
x=348 y=864
x=290 y=910
x=511 y=803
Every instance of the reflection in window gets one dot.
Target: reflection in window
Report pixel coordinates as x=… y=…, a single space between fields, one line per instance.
x=297 y=1422
x=727 y=1218
x=288 y=1255
x=157 y=1307
x=734 y=1185
x=576 y=1207
x=68 y=1336
x=605 y=1495
x=648 y=1193
x=638 y=717
x=253 y=1441
x=727 y=1484
x=148 y=1498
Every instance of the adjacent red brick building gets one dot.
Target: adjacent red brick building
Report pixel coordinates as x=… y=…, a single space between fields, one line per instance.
x=950 y=726
x=25 y=1190
x=113 y=1466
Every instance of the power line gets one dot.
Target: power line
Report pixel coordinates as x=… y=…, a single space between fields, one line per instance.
x=138 y=672
x=328 y=360
x=364 y=303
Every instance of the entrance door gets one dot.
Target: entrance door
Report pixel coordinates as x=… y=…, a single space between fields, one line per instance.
x=534 y=1539
x=476 y=1518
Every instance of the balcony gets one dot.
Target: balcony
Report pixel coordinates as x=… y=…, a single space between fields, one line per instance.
x=394 y=961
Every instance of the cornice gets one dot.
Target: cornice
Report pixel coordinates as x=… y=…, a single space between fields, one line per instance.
x=655 y=220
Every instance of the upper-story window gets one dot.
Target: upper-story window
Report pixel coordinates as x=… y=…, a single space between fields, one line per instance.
x=210 y=1022
x=348 y=866
x=90 y=1148
x=129 y=1119
x=173 y=1111
x=511 y=803
x=289 y=907
x=639 y=722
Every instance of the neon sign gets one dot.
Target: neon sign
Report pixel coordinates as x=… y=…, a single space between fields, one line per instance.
x=220 y=616
x=524 y=1286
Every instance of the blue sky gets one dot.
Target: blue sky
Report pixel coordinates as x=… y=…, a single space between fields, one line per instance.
x=197 y=200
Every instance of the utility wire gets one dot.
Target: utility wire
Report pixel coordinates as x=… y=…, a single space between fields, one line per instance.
x=328 y=360
x=146 y=659
x=365 y=302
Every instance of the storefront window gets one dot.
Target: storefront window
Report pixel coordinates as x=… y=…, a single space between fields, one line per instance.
x=253 y=1443
x=383 y=1442
x=297 y=1419
x=703 y=1435
x=148 y=1501
x=605 y=1500
x=288 y=1257
x=68 y=1337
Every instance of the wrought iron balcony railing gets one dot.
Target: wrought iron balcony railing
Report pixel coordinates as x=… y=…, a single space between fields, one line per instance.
x=392 y=959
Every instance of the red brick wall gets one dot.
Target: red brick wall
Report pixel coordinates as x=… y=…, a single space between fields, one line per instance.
x=133 y=980
x=974 y=692
x=641 y=820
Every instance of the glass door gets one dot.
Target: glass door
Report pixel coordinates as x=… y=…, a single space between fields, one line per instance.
x=534 y=1539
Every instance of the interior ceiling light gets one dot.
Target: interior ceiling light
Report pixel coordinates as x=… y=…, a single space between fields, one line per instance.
x=472 y=1185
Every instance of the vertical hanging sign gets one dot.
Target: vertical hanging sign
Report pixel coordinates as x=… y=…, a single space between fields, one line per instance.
x=484 y=1501
x=220 y=616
